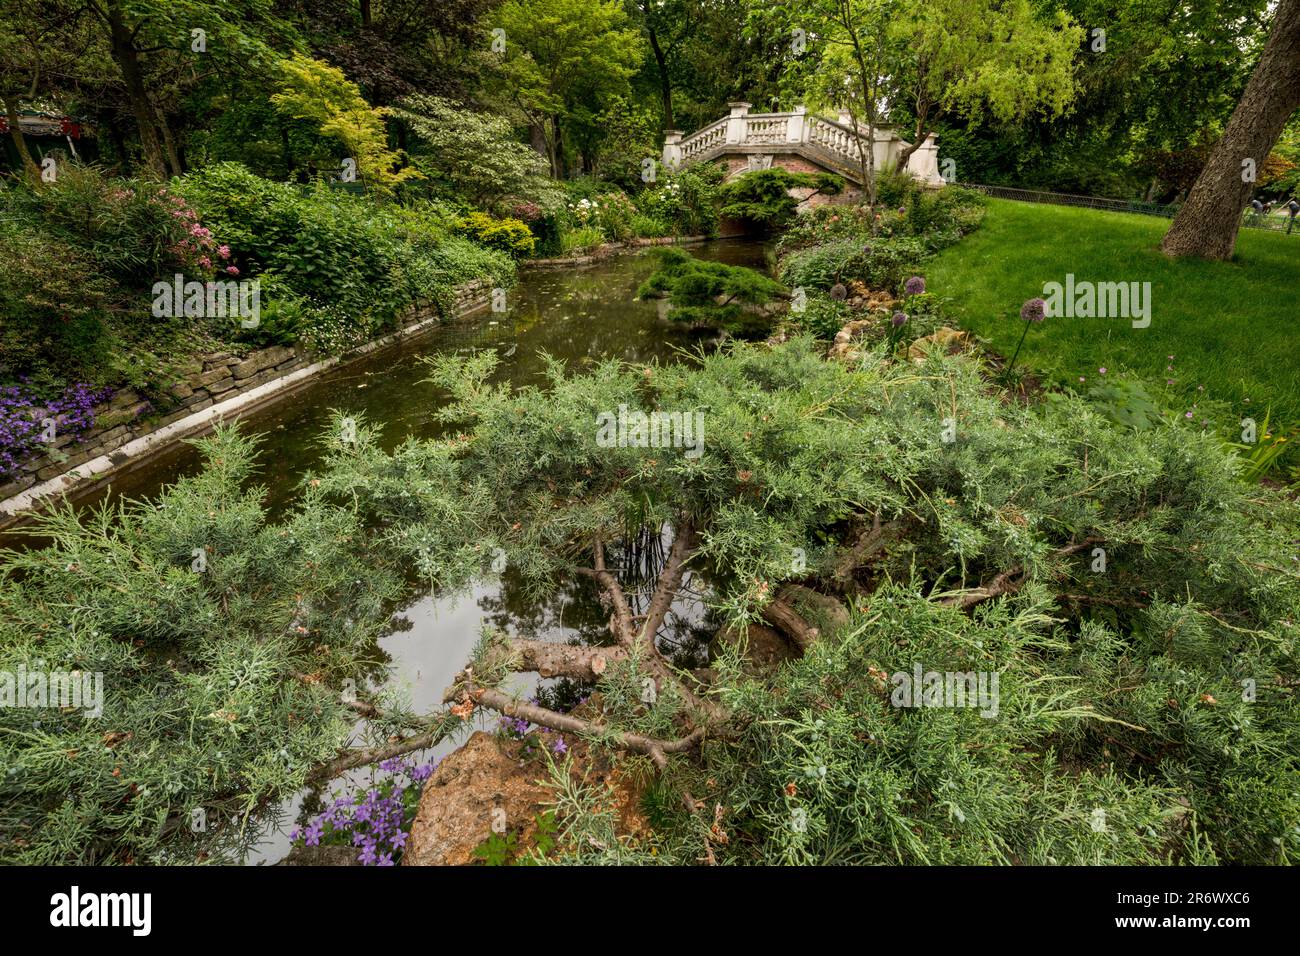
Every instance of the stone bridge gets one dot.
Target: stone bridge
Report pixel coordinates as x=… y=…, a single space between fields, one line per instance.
x=798 y=142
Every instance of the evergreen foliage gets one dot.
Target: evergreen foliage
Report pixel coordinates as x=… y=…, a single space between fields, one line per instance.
x=762 y=198
x=711 y=293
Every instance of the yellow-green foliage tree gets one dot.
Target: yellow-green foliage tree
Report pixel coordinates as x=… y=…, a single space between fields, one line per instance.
x=321 y=94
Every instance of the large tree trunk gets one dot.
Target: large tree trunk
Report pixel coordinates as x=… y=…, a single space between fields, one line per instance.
x=1207 y=224
x=558 y=167
x=30 y=169
x=665 y=85
x=127 y=59
x=173 y=156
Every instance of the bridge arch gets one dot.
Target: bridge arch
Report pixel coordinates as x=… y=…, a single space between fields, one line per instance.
x=799 y=142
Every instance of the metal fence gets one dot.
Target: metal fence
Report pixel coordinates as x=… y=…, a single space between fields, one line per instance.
x=1249 y=219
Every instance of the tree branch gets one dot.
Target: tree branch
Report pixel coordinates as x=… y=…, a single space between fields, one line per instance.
x=565 y=660
x=670 y=580
x=1008 y=582
x=656 y=750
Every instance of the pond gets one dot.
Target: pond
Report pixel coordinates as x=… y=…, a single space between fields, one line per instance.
x=578 y=315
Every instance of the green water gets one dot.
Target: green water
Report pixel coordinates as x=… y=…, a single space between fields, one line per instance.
x=577 y=315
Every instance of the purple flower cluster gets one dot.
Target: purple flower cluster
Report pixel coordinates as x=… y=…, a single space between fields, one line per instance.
x=914 y=286
x=21 y=414
x=375 y=822
x=513 y=726
x=1034 y=310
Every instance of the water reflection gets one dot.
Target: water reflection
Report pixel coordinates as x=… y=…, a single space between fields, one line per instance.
x=578 y=316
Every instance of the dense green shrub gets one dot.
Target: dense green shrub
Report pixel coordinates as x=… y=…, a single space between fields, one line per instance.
x=54 y=309
x=360 y=260
x=822 y=316
x=712 y=293
x=134 y=232
x=511 y=236
x=881 y=263
x=215 y=682
x=762 y=199
x=648 y=227
x=687 y=200
x=1146 y=712
x=469 y=155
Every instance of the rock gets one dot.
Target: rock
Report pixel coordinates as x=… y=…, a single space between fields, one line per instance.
x=321 y=856
x=213 y=375
x=455 y=813
x=263 y=359
x=216 y=388
x=821 y=609
x=949 y=340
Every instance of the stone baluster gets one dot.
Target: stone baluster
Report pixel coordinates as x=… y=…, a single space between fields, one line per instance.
x=736 y=122
x=796 y=126
x=672 y=156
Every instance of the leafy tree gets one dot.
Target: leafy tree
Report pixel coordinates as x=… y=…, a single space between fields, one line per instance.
x=321 y=94
x=972 y=58
x=1003 y=59
x=41 y=45
x=155 y=43
x=473 y=152
x=400 y=47
x=1207 y=224
x=563 y=56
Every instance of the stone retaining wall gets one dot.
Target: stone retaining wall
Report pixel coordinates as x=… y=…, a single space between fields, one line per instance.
x=607 y=249
x=216 y=381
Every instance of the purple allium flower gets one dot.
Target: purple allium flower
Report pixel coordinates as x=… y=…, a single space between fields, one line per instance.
x=1034 y=310
x=914 y=286
x=838 y=292
x=899 y=319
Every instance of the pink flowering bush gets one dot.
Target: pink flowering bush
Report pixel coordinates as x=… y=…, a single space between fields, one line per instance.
x=136 y=232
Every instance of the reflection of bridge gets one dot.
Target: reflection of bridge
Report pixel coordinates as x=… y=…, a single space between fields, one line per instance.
x=799 y=142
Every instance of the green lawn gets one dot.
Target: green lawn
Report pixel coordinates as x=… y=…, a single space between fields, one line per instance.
x=1231 y=327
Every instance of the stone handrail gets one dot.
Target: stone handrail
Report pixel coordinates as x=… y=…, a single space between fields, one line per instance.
x=703 y=140
x=833 y=144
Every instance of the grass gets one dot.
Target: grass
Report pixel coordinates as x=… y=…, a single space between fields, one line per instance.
x=1231 y=327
